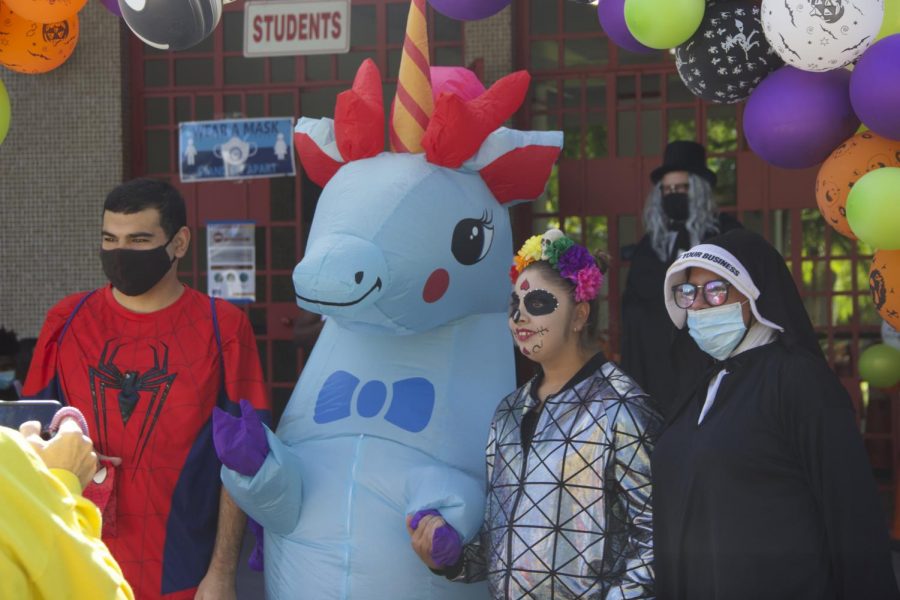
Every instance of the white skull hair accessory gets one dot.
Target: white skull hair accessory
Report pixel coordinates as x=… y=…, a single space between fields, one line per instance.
x=548 y=238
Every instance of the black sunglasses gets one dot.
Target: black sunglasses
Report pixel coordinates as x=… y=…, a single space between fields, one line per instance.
x=715 y=292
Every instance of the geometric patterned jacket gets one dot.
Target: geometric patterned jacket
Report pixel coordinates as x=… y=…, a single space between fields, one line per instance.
x=571 y=515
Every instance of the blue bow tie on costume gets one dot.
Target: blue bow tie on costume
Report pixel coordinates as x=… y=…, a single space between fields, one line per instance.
x=411 y=406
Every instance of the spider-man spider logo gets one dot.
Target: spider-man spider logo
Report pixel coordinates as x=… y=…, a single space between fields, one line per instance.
x=107 y=375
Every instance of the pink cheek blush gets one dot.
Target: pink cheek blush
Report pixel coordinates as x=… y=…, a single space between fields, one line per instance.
x=436 y=286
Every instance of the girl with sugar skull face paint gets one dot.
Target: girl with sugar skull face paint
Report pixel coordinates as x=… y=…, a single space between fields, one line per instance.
x=579 y=406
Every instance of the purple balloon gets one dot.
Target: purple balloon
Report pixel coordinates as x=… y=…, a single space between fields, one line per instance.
x=875 y=87
x=468 y=10
x=612 y=19
x=112 y=6
x=794 y=118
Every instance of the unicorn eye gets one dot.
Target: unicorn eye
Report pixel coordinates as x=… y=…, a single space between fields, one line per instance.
x=472 y=239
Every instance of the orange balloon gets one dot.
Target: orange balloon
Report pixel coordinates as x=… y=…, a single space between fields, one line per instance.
x=45 y=11
x=884 y=283
x=862 y=153
x=29 y=47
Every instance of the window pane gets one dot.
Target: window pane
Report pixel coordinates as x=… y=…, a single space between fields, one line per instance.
x=284 y=361
x=349 y=63
x=158 y=151
x=726 y=187
x=233 y=28
x=243 y=71
x=627 y=229
x=258 y=320
x=318 y=68
x=721 y=129
x=362 y=32
x=156 y=73
x=318 y=102
x=255 y=105
x=283 y=289
x=260 y=243
x=156 y=111
x=597 y=233
x=595 y=90
x=544 y=17
x=626 y=133
x=203 y=108
x=281 y=105
x=448 y=57
x=183 y=109
x=651 y=89
x=396 y=23
x=284 y=247
x=572 y=93
x=283 y=69
x=676 y=91
x=544 y=55
x=651 y=133
x=549 y=200
x=233 y=106
x=639 y=58
x=584 y=53
x=579 y=18
x=682 y=124
x=626 y=91
x=261 y=288
x=596 y=144
x=282 y=202
x=446 y=29
x=572 y=135
x=543 y=95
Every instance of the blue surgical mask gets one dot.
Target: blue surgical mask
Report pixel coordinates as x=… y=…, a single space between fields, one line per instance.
x=719 y=330
x=6 y=379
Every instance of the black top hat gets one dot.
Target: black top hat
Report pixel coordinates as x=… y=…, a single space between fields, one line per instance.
x=684 y=156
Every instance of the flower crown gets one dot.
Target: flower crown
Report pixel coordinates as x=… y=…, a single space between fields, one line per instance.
x=573 y=262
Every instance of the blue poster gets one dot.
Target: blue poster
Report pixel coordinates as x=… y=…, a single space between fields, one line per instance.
x=235 y=149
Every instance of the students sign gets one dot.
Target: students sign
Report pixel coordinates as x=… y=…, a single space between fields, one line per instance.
x=291 y=27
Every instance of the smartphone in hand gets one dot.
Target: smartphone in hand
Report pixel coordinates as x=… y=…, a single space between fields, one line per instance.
x=15 y=412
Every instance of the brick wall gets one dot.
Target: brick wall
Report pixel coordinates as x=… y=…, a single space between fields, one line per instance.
x=64 y=152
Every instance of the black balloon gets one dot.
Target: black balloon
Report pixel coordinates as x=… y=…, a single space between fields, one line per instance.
x=728 y=55
x=171 y=24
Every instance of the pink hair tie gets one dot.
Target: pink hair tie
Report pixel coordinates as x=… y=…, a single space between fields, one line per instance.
x=69 y=412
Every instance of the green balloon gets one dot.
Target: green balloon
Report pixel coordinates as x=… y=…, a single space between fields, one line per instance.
x=880 y=366
x=663 y=23
x=873 y=208
x=891 y=23
x=4 y=112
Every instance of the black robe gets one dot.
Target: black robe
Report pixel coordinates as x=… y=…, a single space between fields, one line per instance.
x=662 y=360
x=772 y=495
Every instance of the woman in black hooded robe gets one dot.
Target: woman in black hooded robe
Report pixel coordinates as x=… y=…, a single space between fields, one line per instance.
x=762 y=487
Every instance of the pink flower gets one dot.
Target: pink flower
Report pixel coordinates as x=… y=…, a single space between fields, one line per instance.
x=588 y=282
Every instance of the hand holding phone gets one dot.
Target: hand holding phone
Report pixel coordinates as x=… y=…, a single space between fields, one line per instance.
x=69 y=449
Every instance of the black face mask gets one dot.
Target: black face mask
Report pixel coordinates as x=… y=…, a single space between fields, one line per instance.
x=135 y=272
x=675 y=205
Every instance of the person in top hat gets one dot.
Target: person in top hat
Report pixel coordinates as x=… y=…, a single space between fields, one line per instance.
x=761 y=483
x=680 y=212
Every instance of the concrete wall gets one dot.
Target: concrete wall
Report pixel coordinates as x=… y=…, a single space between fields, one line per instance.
x=64 y=152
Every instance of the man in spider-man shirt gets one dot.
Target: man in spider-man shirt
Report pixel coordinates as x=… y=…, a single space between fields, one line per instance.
x=146 y=359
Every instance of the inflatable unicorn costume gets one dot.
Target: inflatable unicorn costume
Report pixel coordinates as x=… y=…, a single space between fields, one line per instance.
x=408 y=257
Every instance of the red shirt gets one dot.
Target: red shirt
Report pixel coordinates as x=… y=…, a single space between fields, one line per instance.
x=147 y=384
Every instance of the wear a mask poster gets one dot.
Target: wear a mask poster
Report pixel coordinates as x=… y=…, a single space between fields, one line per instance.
x=235 y=149
x=231 y=256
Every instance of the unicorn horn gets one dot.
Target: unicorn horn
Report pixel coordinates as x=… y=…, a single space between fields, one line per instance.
x=413 y=103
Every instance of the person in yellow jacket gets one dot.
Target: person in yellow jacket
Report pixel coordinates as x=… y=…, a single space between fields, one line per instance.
x=50 y=544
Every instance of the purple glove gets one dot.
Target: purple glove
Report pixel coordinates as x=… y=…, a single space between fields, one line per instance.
x=256 y=557
x=446 y=545
x=240 y=441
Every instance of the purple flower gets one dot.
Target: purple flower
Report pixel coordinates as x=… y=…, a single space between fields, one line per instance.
x=573 y=260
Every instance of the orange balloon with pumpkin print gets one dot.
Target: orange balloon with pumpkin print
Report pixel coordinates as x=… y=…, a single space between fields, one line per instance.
x=884 y=283
x=45 y=11
x=29 y=47
x=864 y=152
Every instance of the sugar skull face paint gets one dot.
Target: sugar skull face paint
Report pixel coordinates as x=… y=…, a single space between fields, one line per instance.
x=539 y=315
